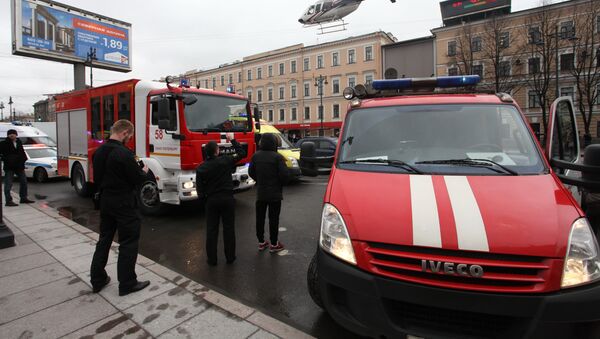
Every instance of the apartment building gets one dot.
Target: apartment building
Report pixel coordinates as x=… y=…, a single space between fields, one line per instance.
x=514 y=51
x=289 y=84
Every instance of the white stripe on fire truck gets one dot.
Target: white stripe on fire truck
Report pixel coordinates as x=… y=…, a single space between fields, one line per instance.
x=470 y=229
x=426 y=223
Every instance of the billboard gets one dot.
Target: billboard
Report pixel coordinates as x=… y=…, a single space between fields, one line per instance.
x=457 y=8
x=53 y=31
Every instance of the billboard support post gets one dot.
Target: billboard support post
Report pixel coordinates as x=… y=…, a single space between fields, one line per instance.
x=79 y=76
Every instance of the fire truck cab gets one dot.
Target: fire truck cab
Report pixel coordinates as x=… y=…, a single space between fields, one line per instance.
x=172 y=125
x=445 y=218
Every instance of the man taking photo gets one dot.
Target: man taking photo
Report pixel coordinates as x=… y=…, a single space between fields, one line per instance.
x=117 y=176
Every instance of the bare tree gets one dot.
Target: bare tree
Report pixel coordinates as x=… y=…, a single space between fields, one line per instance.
x=586 y=69
x=539 y=49
x=465 y=55
x=496 y=54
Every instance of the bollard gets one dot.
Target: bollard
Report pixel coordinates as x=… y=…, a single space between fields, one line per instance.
x=7 y=238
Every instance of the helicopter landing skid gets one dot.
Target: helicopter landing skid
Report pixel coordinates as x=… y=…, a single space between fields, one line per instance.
x=331 y=28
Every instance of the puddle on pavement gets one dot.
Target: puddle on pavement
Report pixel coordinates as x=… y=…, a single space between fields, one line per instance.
x=82 y=216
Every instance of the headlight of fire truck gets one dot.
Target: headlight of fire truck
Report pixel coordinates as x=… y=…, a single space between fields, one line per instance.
x=334 y=237
x=189 y=184
x=582 y=263
x=293 y=161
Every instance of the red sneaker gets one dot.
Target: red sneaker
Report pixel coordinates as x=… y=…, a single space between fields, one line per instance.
x=276 y=248
x=263 y=245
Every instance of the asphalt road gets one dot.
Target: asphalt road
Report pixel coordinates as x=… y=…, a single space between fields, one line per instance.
x=273 y=283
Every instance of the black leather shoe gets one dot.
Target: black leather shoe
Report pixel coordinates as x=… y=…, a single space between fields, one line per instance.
x=231 y=261
x=27 y=201
x=137 y=287
x=211 y=263
x=11 y=204
x=98 y=288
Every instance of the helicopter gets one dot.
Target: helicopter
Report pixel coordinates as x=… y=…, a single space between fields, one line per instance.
x=329 y=11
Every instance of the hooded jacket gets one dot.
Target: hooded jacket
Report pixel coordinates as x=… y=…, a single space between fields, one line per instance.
x=14 y=157
x=268 y=169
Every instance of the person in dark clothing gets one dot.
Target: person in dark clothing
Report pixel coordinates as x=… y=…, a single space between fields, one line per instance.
x=14 y=157
x=214 y=183
x=117 y=175
x=268 y=169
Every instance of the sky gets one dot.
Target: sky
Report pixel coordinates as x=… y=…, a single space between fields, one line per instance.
x=170 y=37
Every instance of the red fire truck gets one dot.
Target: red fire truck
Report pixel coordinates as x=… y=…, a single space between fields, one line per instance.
x=172 y=125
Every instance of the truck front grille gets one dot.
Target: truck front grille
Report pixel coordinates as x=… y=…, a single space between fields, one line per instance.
x=501 y=273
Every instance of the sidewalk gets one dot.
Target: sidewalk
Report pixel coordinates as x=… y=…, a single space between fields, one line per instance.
x=45 y=292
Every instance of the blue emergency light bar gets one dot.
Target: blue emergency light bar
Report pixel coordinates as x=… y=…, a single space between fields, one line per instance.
x=435 y=82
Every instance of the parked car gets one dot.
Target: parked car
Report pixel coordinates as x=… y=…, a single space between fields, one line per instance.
x=324 y=146
x=41 y=162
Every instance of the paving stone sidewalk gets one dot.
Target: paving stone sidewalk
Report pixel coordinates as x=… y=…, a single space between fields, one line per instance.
x=45 y=292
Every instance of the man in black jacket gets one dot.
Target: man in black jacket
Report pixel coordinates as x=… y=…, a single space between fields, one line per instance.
x=214 y=183
x=268 y=169
x=14 y=157
x=117 y=176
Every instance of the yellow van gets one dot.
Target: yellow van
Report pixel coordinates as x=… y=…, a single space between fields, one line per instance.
x=285 y=148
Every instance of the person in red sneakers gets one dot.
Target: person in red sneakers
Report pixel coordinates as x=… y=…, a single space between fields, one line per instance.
x=268 y=169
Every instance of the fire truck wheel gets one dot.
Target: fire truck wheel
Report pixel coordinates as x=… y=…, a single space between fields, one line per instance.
x=312 y=280
x=82 y=187
x=40 y=175
x=149 y=199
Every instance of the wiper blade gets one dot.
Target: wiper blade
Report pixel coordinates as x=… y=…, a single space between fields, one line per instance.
x=486 y=163
x=395 y=163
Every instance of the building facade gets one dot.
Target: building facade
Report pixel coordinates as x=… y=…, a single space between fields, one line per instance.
x=299 y=88
x=44 y=110
x=528 y=52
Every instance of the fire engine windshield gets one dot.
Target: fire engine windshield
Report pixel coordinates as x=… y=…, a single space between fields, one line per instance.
x=213 y=113
x=445 y=139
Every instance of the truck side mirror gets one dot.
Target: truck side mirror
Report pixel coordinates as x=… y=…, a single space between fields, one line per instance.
x=163 y=109
x=164 y=124
x=165 y=119
x=308 y=165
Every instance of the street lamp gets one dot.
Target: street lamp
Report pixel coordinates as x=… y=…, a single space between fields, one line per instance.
x=91 y=56
x=319 y=82
x=1 y=111
x=10 y=102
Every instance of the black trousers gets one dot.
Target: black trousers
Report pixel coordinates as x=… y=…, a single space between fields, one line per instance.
x=261 y=212
x=220 y=208
x=117 y=214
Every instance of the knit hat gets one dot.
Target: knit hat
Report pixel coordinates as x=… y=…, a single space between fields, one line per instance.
x=11 y=131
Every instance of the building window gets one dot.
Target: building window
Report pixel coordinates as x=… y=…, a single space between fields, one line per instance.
x=567 y=30
x=281 y=93
x=239 y=77
x=478 y=70
x=504 y=40
x=504 y=68
x=598 y=57
x=259 y=95
x=597 y=95
x=222 y=80
x=205 y=83
x=567 y=92
x=293 y=91
x=535 y=35
x=307 y=113
x=270 y=94
x=281 y=68
x=249 y=74
x=259 y=73
x=534 y=65
x=336 y=86
x=451 y=48
x=271 y=115
x=567 y=62
x=214 y=82
x=368 y=79
x=597 y=129
x=320 y=90
x=351 y=81
x=476 y=44
x=336 y=111
x=306 y=89
x=368 y=53
x=453 y=71
x=335 y=59
x=249 y=96
x=230 y=79
x=319 y=61
x=294 y=114
x=351 y=56
x=306 y=64
x=293 y=66
x=270 y=71
x=282 y=114
x=320 y=114
x=533 y=100
x=598 y=24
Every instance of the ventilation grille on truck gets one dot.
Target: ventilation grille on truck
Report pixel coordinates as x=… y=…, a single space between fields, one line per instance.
x=501 y=273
